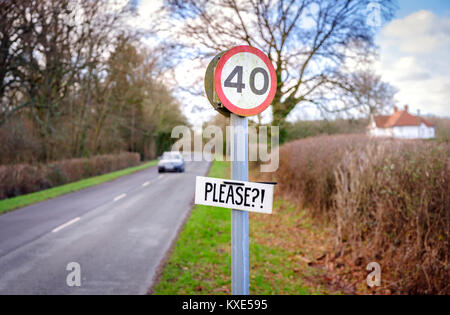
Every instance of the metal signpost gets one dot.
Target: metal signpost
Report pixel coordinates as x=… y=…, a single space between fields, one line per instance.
x=239 y=82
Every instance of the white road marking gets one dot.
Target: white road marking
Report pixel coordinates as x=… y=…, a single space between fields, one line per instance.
x=59 y=228
x=160 y=176
x=145 y=184
x=120 y=197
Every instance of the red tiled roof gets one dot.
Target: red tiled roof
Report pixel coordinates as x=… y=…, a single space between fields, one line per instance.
x=398 y=119
x=381 y=120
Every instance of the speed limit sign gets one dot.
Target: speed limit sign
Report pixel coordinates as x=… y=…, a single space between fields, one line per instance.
x=240 y=82
x=244 y=80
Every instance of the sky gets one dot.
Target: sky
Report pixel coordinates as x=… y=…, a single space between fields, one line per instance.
x=415 y=53
x=414 y=49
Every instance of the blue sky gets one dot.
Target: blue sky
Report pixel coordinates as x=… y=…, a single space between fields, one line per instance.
x=438 y=7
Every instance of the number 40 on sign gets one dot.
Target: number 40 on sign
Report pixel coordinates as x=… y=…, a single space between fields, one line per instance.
x=241 y=81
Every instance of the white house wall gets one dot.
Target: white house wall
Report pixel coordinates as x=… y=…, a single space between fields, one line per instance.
x=405 y=132
x=381 y=132
x=427 y=132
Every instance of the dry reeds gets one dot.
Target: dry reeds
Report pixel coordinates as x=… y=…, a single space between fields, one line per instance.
x=388 y=200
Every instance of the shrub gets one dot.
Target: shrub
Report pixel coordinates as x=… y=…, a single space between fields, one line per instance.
x=22 y=179
x=393 y=206
x=306 y=169
x=388 y=200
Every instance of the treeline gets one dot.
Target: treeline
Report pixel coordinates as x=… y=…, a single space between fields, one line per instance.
x=311 y=128
x=76 y=82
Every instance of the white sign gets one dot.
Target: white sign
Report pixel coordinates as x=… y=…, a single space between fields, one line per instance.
x=245 y=80
x=233 y=194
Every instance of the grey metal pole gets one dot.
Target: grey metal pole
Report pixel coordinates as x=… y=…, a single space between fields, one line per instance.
x=239 y=219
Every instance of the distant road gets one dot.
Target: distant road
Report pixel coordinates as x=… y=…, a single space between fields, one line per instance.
x=118 y=232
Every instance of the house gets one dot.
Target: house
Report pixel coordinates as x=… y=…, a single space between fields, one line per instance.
x=401 y=125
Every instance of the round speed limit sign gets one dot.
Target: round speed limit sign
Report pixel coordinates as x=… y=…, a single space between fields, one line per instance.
x=245 y=80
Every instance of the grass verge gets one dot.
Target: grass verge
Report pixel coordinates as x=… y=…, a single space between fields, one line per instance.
x=281 y=247
x=25 y=200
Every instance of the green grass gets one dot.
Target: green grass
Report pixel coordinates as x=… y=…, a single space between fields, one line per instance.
x=201 y=261
x=25 y=200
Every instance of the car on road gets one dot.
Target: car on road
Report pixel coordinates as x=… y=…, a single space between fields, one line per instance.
x=171 y=162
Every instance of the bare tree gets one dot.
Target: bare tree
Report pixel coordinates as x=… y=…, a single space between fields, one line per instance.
x=133 y=109
x=366 y=92
x=51 y=50
x=76 y=81
x=306 y=40
x=12 y=25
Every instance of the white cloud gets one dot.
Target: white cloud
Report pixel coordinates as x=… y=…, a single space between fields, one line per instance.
x=414 y=54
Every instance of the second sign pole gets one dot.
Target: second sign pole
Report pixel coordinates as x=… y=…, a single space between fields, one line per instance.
x=239 y=219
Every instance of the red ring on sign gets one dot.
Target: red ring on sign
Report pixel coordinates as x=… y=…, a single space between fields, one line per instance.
x=218 y=82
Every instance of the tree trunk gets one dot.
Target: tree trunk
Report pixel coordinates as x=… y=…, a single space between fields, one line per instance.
x=279 y=119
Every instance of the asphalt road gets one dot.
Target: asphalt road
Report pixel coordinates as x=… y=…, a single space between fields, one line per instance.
x=118 y=233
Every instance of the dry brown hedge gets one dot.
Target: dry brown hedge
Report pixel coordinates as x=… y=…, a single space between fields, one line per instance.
x=388 y=200
x=22 y=179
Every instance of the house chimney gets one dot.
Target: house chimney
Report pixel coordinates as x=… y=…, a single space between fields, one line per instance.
x=406 y=108
x=418 y=113
x=395 y=109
